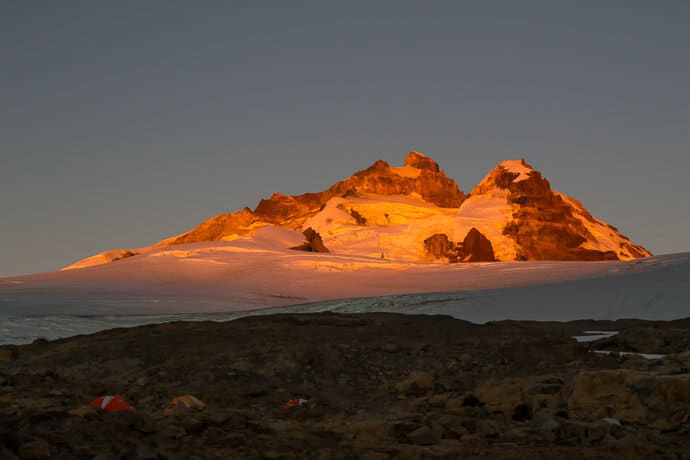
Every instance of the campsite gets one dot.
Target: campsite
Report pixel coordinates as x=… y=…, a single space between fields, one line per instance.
x=330 y=386
x=344 y=230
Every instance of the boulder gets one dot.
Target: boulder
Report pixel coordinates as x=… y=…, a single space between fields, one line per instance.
x=313 y=242
x=477 y=248
x=522 y=412
x=474 y=248
x=632 y=397
x=424 y=436
x=438 y=246
x=418 y=383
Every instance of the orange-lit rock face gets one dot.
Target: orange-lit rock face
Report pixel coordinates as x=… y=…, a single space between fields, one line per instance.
x=313 y=242
x=421 y=161
x=422 y=177
x=438 y=246
x=393 y=211
x=430 y=183
x=476 y=248
x=545 y=224
x=217 y=227
x=292 y=211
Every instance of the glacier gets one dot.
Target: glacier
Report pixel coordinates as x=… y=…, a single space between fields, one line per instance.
x=226 y=280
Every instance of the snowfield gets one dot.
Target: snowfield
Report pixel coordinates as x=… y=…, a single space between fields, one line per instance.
x=223 y=280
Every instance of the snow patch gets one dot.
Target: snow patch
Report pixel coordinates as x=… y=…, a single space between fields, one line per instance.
x=406 y=171
x=519 y=167
x=592 y=336
x=651 y=356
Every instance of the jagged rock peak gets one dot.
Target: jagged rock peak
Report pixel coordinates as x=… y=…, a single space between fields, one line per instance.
x=547 y=225
x=512 y=175
x=420 y=174
x=378 y=165
x=420 y=161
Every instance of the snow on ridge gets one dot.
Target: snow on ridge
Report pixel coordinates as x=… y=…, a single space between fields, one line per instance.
x=517 y=166
x=241 y=275
x=397 y=225
x=406 y=171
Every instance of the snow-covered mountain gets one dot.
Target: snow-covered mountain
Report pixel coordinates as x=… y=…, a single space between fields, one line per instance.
x=380 y=240
x=225 y=280
x=415 y=213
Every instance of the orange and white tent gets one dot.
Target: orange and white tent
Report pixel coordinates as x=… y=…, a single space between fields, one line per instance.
x=187 y=403
x=111 y=403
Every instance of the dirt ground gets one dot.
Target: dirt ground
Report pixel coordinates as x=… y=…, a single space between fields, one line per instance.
x=376 y=386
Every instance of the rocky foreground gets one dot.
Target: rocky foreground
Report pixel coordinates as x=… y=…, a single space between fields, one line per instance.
x=376 y=386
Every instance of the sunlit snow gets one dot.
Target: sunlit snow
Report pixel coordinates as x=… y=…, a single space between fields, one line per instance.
x=232 y=278
x=517 y=166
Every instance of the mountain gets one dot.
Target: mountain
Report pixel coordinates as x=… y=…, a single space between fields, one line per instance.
x=415 y=213
x=543 y=224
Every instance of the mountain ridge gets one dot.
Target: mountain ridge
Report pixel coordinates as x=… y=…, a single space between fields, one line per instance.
x=385 y=210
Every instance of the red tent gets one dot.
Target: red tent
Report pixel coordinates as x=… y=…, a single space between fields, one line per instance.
x=111 y=403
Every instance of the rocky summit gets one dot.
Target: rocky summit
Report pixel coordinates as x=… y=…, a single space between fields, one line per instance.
x=361 y=386
x=547 y=225
x=405 y=212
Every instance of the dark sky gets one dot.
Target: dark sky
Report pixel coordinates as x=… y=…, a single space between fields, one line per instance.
x=122 y=123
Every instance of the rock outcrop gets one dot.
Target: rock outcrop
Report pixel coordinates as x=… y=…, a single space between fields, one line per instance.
x=421 y=161
x=380 y=178
x=438 y=246
x=547 y=225
x=217 y=227
x=474 y=248
x=314 y=243
x=292 y=211
x=633 y=397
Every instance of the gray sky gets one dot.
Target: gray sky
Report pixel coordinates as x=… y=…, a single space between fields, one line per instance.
x=122 y=123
